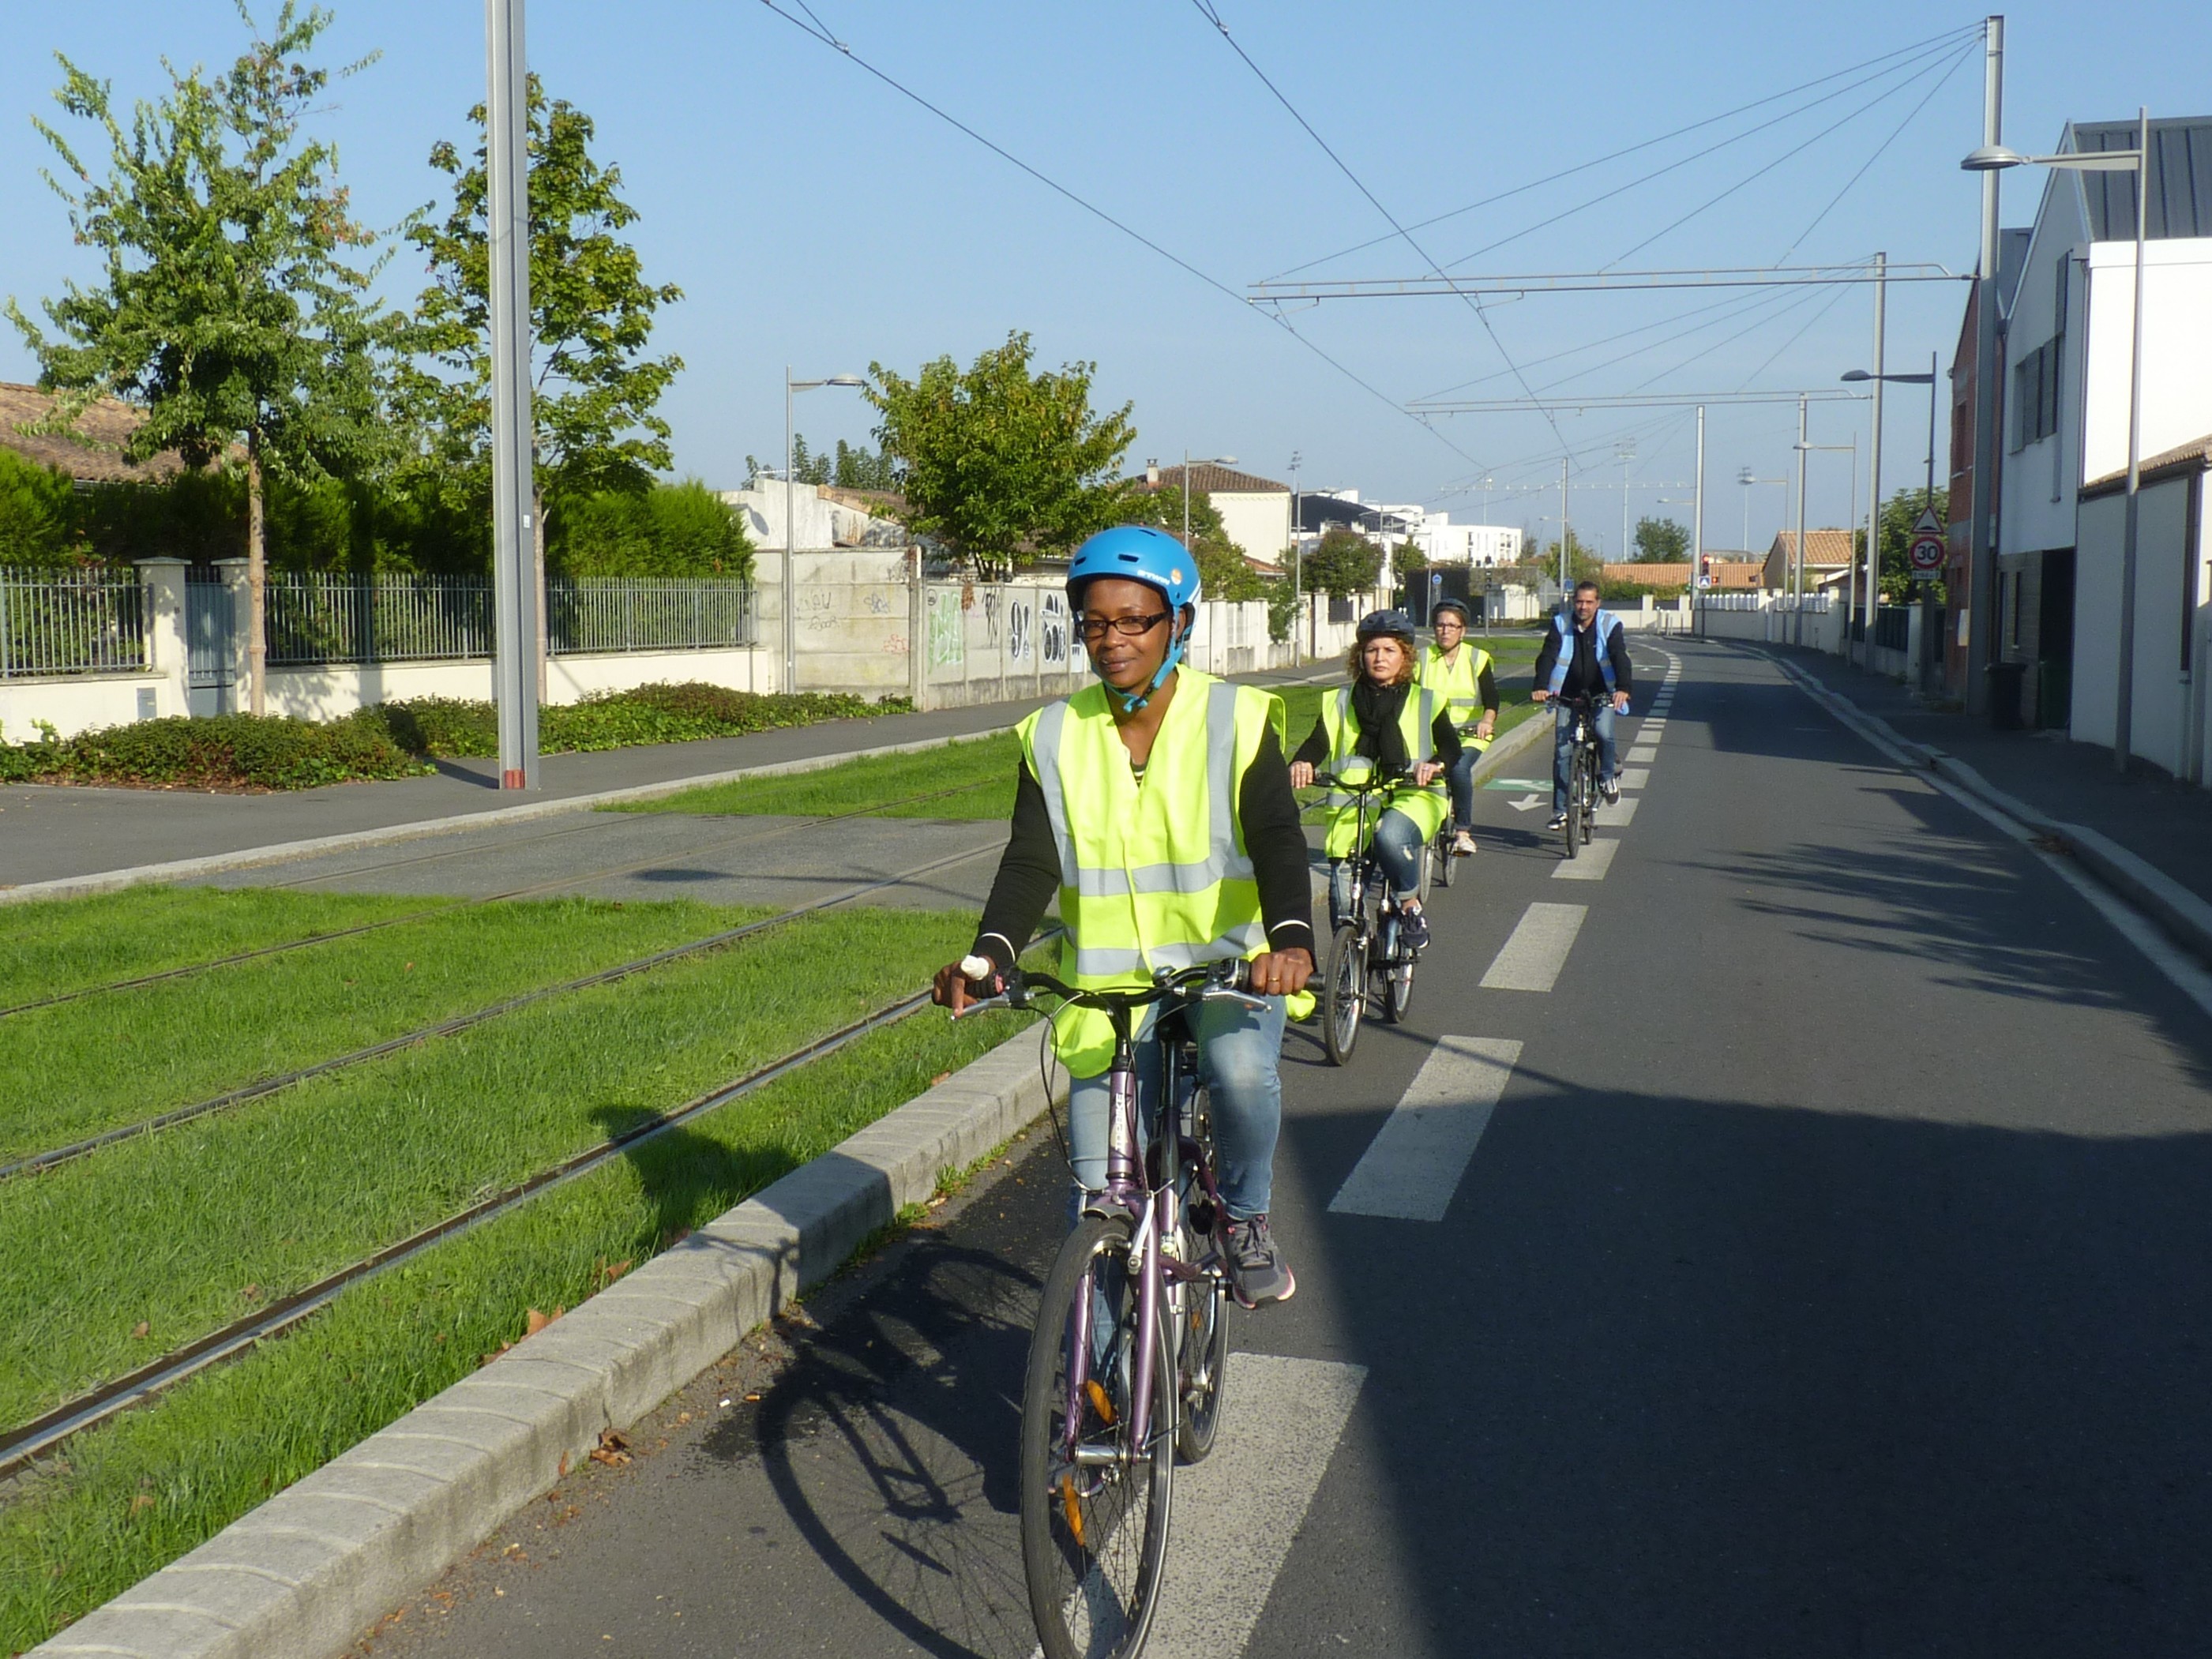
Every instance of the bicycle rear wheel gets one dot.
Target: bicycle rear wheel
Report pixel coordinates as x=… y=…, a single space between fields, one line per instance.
x=1441 y=856
x=1343 y=993
x=1095 y=1508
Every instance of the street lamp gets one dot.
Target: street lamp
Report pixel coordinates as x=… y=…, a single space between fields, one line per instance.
x=1995 y=158
x=790 y=587
x=1873 y=517
x=1744 y=477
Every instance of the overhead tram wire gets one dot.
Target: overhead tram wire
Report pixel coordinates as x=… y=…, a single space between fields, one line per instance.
x=1605 y=196
x=1738 y=301
x=1897 y=132
x=1206 y=9
x=815 y=31
x=1933 y=43
x=1793 y=151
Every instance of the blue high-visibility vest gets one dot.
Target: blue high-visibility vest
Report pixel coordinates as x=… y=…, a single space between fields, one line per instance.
x=1601 y=627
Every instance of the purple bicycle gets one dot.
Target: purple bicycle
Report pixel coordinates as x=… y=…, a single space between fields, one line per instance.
x=1131 y=1348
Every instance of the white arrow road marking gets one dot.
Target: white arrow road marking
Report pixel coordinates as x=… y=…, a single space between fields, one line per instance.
x=1412 y=1167
x=1592 y=864
x=1617 y=816
x=1531 y=959
x=1235 y=1514
x=1526 y=803
x=1516 y=783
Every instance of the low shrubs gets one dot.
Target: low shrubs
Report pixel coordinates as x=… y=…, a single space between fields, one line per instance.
x=222 y=752
x=391 y=740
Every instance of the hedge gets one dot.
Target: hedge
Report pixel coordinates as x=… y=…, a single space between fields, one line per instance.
x=392 y=739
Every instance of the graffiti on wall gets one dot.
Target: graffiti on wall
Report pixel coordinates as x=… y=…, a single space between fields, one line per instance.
x=948 y=631
x=1052 y=630
x=1020 y=617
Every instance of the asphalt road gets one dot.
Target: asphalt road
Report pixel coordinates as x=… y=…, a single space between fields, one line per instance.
x=1828 y=1279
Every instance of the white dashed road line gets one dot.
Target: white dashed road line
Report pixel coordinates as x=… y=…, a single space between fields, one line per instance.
x=1635 y=777
x=1596 y=859
x=1617 y=815
x=1644 y=754
x=1412 y=1167
x=1236 y=1514
x=1531 y=959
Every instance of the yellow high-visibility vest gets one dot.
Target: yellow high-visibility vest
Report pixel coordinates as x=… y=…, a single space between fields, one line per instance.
x=1341 y=727
x=1153 y=873
x=1460 y=685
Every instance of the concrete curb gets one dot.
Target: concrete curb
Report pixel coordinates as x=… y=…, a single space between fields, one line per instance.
x=314 y=1566
x=2184 y=916
x=281 y=852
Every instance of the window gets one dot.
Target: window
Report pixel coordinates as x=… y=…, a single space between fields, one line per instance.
x=2035 y=393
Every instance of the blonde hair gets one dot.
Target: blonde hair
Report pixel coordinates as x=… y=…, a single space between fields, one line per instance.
x=1355 y=667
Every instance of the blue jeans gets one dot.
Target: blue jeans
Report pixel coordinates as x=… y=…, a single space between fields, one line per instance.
x=1463 y=786
x=1398 y=844
x=1564 y=748
x=1237 y=1049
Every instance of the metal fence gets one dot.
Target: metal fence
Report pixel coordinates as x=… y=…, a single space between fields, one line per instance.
x=323 y=619
x=71 y=622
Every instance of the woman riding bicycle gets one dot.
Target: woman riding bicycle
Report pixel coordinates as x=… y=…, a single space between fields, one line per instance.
x=1157 y=806
x=1383 y=721
x=1459 y=672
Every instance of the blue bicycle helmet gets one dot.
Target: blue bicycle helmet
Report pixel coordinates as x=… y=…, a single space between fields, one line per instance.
x=1138 y=553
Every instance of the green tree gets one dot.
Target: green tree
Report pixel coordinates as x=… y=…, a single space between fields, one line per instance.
x=1344 y=565
x=1407 y=559
x=594 y=389
x=1899 y=514
x=999 y=464
x=38 y=513
x=677 y=531
x=228 y=309
x=1661 y=541
x=1583 y=564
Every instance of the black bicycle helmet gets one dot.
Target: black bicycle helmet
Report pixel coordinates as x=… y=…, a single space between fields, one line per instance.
x=1466 y=616
x=1395 y=623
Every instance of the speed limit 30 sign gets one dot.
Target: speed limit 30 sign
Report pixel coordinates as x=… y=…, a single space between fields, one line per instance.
x=1926 y=549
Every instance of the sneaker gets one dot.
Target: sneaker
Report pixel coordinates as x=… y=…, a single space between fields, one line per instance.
x=1463 y=844
x=1257 y=1272
x=1559 y=821
x=1611 y=790
x=1413 y=929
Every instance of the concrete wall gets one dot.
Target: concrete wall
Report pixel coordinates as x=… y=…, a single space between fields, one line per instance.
x=79 y=703
x=1774 y=624
x=2166 y=725
x=340 y=689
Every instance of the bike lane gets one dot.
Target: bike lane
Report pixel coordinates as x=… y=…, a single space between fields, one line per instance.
x=1817 y=1280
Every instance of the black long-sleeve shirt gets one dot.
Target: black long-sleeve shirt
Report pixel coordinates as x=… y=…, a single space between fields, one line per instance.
x=1443 y=735
x=1028 y=870
x=1584 y=677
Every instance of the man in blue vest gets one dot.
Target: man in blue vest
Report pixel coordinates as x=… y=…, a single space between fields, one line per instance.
x=1585 y=654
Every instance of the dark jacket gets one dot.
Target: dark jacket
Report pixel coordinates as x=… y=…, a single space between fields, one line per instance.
x=1379 y=741
x=1584 y=677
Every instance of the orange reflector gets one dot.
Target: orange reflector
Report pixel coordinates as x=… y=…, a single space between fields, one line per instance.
x=1073 y=1509
x=1099 y=1402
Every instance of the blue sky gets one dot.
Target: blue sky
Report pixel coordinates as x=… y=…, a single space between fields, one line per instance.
x=814 y=216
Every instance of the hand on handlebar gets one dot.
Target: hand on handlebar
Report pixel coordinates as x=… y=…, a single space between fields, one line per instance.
x=1302 y=775
x=1426 y=773
x=1540 y=695
x=1281 y=973
x=1620 y=702
x=956 y=988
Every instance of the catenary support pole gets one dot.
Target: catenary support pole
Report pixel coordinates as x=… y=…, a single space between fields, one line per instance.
x=1988 y=387
x=2124 y=697
x=789 y=682
x=1797 y=553
x=1873 y=470
x=507 y=223
x=1697 y=533
x=1563 y=532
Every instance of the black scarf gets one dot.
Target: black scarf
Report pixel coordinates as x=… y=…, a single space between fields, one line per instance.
x=1377 y=708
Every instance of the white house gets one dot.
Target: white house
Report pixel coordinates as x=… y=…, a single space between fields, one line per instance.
x=1255 y=512
x=1476 y=544
x=2068 y=346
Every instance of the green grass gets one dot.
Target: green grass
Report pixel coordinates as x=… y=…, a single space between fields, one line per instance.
x=983 y=771
x=184 y=1230
x=81 y=1067
x=50 y=945
x=205 y=1454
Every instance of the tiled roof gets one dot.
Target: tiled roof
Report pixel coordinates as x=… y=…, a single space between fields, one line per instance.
x=1821 y=546
x=1214 y=480
x=2198 y=450
x=104 y=429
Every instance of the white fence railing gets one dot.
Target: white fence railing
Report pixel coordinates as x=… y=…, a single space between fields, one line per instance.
x=70 y=622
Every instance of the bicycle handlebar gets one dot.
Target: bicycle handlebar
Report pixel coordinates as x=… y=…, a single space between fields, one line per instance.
x=1231 y=978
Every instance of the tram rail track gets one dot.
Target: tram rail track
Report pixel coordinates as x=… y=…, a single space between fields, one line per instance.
x=37 y=1163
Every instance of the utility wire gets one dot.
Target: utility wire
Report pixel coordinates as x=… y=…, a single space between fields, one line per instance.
x=1796 y=150
x=1206 y=10
x=815 y=30
x=1934 y=42
x=1896 y=132
x=1733 y=300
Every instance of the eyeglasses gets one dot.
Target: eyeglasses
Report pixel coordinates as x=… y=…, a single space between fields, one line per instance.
x=1129 y=627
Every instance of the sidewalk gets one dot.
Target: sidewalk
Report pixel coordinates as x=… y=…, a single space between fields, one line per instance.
x=55 y=832
x=2162 y=821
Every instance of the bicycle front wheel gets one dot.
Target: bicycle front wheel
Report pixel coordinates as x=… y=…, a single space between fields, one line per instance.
x=1441 y=856
x=1343 y=993
x=1094 y=1501
x=1577 y=801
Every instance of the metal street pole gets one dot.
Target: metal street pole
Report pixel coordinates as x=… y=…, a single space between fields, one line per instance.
x=2124 y=695
x=1628 y=454
x=1929 y=503
x=789 y=682
x=1297 y=556
x=514 y=600
x=1988 y=386
x=1697 y=532
x=1873 y=467
x=1797 y=553
x=1565 y=531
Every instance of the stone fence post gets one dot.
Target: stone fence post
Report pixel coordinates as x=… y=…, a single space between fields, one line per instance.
x=166 y=657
